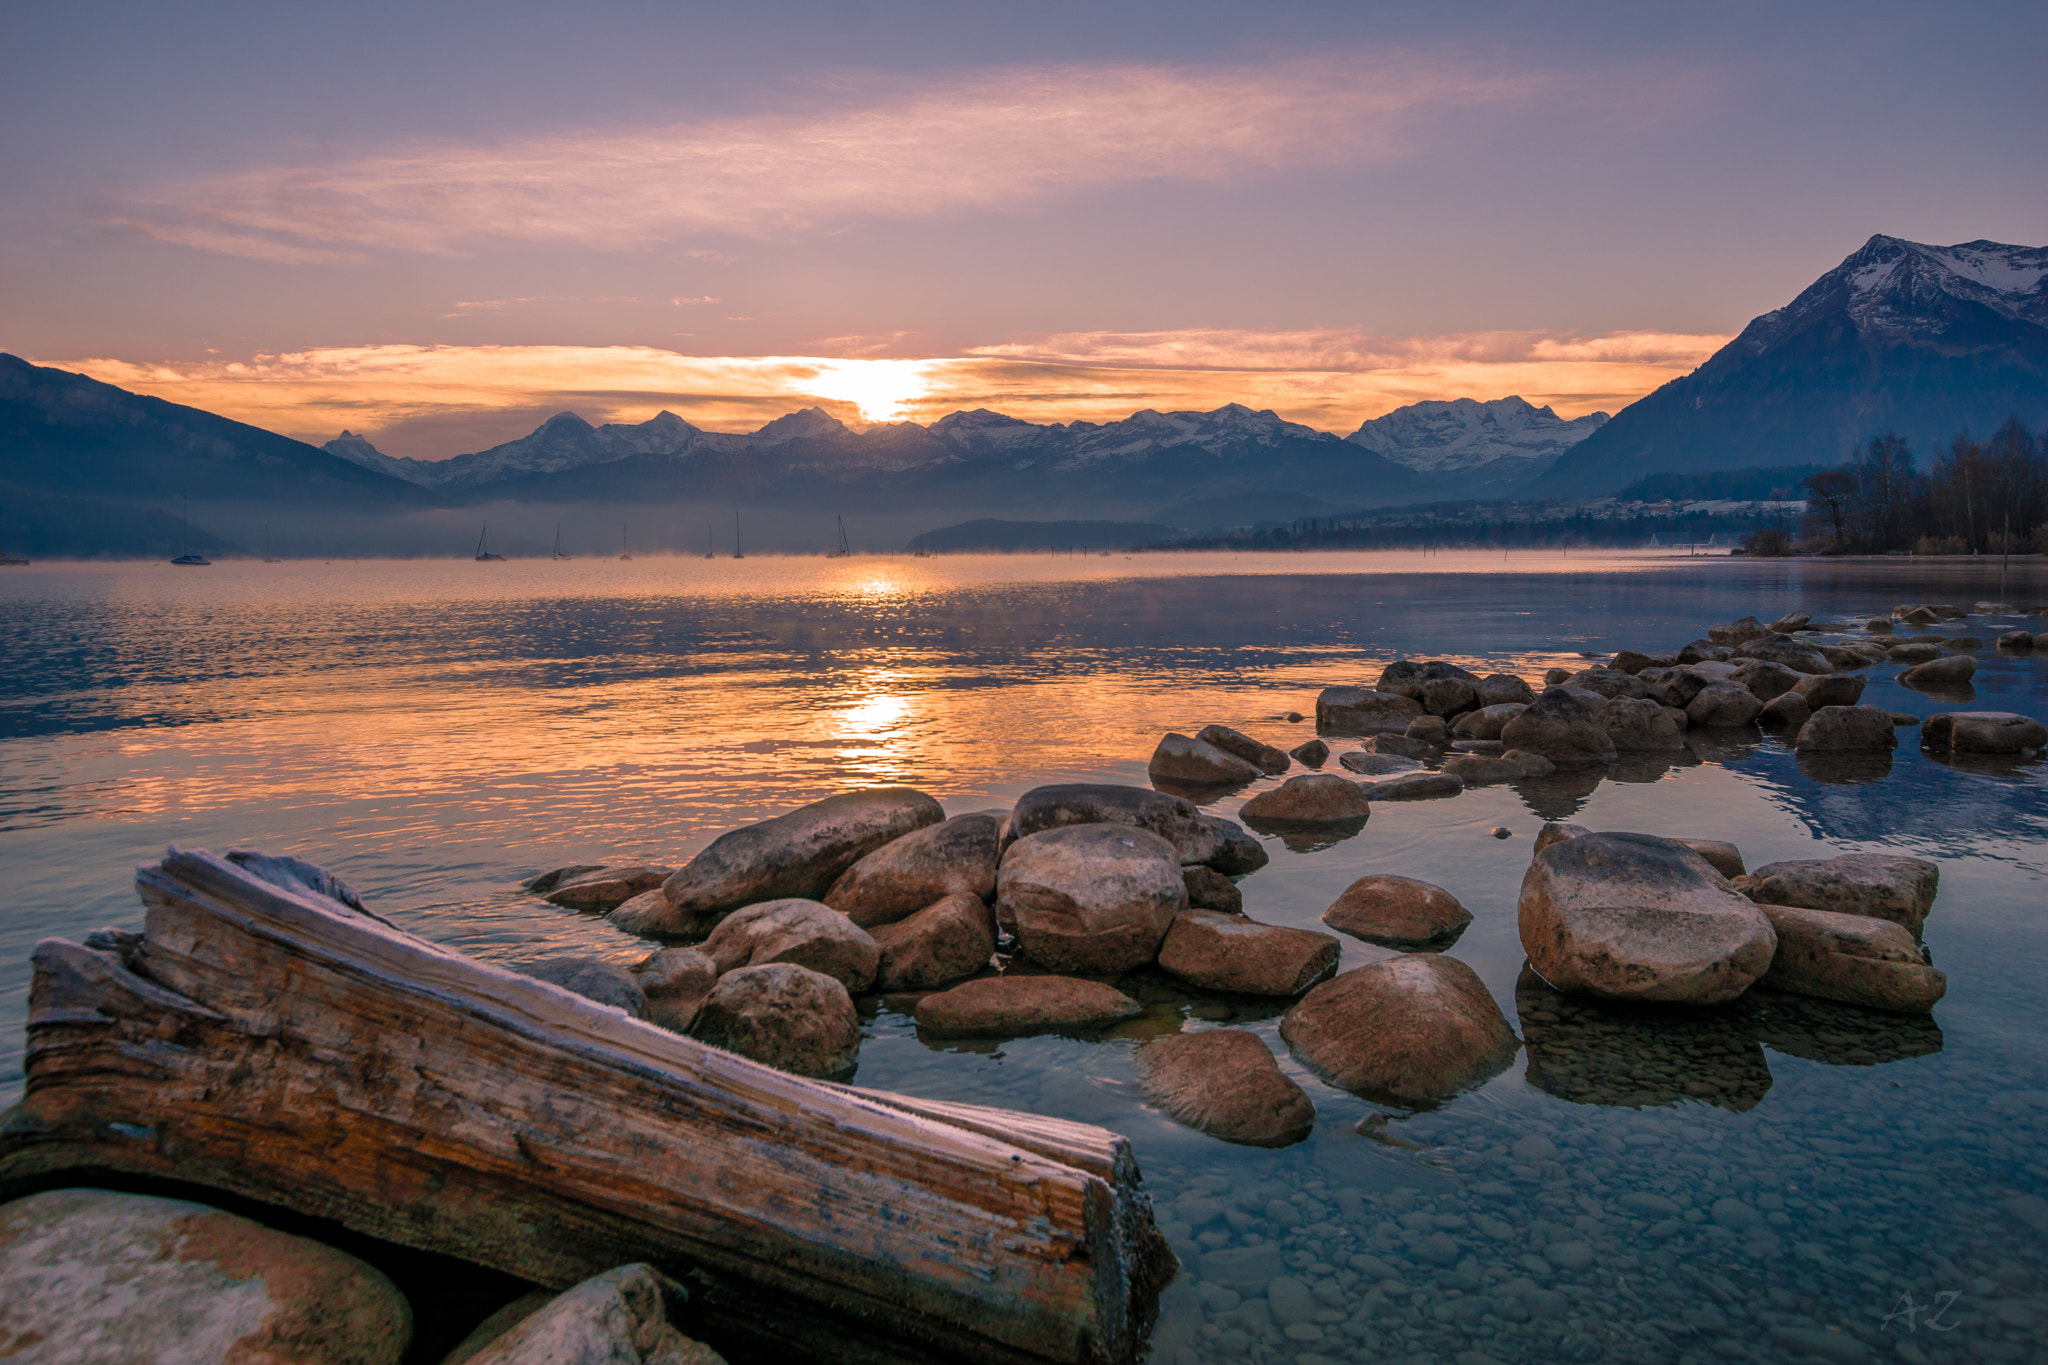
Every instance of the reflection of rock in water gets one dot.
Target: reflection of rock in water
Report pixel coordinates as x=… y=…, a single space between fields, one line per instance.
x=1650 y=767
x=1841 y=767
x=1164 y=996
x=1837 y=1034
x=1984 y=765
x=1304 y=838
x=1562 y=794
x=1201 y=793
x=1606 y=1052
x=1726 y=744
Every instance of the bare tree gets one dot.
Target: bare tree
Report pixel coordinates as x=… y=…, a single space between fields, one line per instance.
x=1835 y=490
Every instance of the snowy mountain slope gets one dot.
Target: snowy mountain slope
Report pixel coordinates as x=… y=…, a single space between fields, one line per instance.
x=1464 y=435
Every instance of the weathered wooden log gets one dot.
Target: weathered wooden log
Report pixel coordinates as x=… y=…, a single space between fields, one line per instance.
x=264 y=1038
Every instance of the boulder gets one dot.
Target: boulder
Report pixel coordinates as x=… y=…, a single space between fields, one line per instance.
x=1878 y=625
x=1195 y=762
x=1504 y=689
x=1636 y=917
x=1723 y=705
x=1262 y=756
x=1412 y=787
x=606 y=888
x=1676 y=687
x=1222 y=952
x=1409 y=1031
x=1563 y=727
x=1609 y=683
x=1851 y=655
x=605 y=982
x=1197 y=837
x=1632 y=661
x=1488 y=721
x=1883 y=886
x=795 y=855
x=1371 y=764
x=1639 y=725
x=1091 y=898
x=1917 y=615
x=1484 y=770
x=1310 y=799
x=1398 y=912
x=1983 y=732
x=1556 y=677
x=1765 y=679
x=1556 y=832
x=649 y=915
x=955 y=857
x=1412 y=677
x=1313 y=754
x=1364 y=711
x=1960 y=643
x=1783 y=649
x=806 y=933
x=2016 y=639
x=784 y=1016
x=951 y=938
x=1678 y=718
x=674 y=982
x=1789 y=622
x=1209 y=889
x=1954 y=671
x=1833 y=729
x=621 y=1317
x=548 y=881
x=1701 y=651
x=1018 y=1006
x=1786 y=711
x=1851 y=958
x=1913 y=652
x=1738 y=632
x=1423 y=734
x=1449 y=697
x=1831 y=689
x=94 y=1276
x=1225 y=1082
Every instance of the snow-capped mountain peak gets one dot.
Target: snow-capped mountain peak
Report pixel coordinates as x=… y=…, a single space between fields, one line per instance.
x=1464 y=434
x=1891 y=289
x=812 y=421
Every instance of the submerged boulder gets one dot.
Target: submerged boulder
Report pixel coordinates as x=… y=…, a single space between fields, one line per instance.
x=1913 y=652
x=1954 y=671
x=1484 y=770
x=1197 y=837
x=1310 y=799
x=1260 y=755
x=1090 y=898
x=1422 y=736
x=1223 y=952
x=1562 y=726
x=1983 y=732
x=1637 y=917
x=606 y=888
x=1224 y=1082
x=1881 y=885
x=1018 y=1006
x=621 y=1317
x=1371 y=764
x=1851 y=958
x=1412 y=787
x=784 y=1016
x=1311 y=754
x=1398 y=912
x=1411 y=1030
x=1833 y=729
x=1364 y=711
x=952 y=938
x=955 y=857
x=1194 y=762
x=807 y=933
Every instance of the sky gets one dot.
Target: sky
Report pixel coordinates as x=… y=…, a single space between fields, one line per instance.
x=437 y=225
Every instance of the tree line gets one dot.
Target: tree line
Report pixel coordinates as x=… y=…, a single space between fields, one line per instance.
x=1978 y=497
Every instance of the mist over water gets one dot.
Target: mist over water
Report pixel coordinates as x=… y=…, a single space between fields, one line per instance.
x=436 y=731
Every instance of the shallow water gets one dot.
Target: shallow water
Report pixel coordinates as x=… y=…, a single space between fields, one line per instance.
x=1778 y=1180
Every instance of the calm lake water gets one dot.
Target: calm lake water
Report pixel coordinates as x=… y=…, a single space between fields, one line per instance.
x=1777 y=1180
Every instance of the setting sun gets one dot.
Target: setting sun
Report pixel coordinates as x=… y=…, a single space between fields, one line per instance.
x=881 y=389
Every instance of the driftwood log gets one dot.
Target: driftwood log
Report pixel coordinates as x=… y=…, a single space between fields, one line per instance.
x=264 y=1038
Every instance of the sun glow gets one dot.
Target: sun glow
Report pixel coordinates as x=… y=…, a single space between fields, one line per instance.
x=883 y=390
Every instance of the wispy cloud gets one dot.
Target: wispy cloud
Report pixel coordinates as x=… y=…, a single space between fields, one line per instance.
x=995 y=139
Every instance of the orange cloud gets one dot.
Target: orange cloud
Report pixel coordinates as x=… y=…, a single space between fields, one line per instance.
x=999 y=138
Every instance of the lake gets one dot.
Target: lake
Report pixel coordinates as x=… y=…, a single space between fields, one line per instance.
x=1780 y=1179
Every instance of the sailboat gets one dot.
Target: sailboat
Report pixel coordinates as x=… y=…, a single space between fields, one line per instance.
x=624 y=552
x=8 y=560
x=558 y=542
x=709 y=552
x=483 y=555
x=920 y=552
x=188 y=559
x=844 y=549
x=736 y=537
x=268 y=558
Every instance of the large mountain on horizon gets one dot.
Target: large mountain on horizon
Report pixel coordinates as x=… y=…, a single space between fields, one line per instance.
x=1901 y=336
x=1499 y=445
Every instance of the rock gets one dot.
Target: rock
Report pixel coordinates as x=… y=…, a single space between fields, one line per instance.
x=621 y=1317
x=1197 y=763
x=1377 y=764
x=1789 y=622
x=1786 y=711
x=1501 y=832
x=1953 y=671
x=1556 y=677
x=785 y=1016
x=1738 y=632
x=1561 y=726
x=1831 y=689
x=607 y=888
x=1411 y=677
x=604 y=982
x=1639 y=725
x=1851 y=656
x=1636 y=917
x=1556 y=832
x=955 y=857
x=1488 y=721
x=1632 y=662
x=1911 y=652
x=1017 y=1006
x=1504 y=689
x=1262 y=756
x=1766 y=680
x=1676 y=687
x=1197 y=837
x=96 y=1276
x=1609 y=683
x=1905 y=718
x=795 y=855
x=1398 y=912
x=1449 y=697
x=1423 y=734
x=1312 y=754
x=1293 y=718
x=548 y=881
x=1700 y=651
x=1482 y=770
x=1310 y=799
x=1091 y=898
x=807 y=933
x=1679 y=720
x=1836 y=728
x=1222 y=952
x=1225 y=1082
x=1724 y=857
x=1881 y=885
x=1878 y=625
x=649 y=915
x=2016 y=639
x=1983 y=732
x=1960 y=643
x=1364 y=711
x=1412 y=787
x=952 y=938
x=1783 y=649
x=1209 y=889
x=1410 y=1031
x=1723 y=705
x=675 y=982
x=1851 y=958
